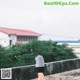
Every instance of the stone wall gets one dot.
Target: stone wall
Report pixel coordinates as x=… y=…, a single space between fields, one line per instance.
x=29 y=72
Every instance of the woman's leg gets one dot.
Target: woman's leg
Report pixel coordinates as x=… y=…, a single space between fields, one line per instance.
x=41 y=76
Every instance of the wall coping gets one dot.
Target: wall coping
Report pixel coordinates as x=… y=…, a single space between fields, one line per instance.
x=45 y=63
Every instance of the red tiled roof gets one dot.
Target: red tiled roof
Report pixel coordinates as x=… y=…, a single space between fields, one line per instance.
x=19 y=32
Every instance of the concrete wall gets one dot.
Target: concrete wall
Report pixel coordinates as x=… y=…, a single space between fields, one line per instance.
x=29 y=72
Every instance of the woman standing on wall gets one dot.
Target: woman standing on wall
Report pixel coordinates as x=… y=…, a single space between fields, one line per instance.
x=40 y=67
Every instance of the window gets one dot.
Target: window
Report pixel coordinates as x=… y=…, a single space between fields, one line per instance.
x=26 y=38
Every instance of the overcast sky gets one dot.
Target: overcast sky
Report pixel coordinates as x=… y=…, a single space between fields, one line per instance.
x=60 y=22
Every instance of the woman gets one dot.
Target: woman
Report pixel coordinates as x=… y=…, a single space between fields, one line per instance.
x=40 y=67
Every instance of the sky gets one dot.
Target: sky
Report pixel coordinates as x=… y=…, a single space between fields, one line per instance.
x=53 y=22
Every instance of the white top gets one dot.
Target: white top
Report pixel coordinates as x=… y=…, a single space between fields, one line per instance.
x=39 y=61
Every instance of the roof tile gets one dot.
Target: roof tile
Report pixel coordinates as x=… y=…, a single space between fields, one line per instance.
x=19 y=32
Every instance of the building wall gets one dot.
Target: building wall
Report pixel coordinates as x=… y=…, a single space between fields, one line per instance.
x=13 y=38
x=4 y=39
x=9 y=40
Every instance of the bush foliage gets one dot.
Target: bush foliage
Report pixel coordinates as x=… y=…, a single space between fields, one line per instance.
x=25 y=54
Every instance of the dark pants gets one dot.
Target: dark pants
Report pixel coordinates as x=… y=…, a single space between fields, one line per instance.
x=40 y=69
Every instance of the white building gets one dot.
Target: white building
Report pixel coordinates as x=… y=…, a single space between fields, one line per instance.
x=10 y=37
x=74 y=44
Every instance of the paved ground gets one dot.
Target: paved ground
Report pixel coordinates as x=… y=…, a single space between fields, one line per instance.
x=69 y=75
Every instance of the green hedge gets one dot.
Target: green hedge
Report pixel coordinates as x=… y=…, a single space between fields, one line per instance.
x=25 y=54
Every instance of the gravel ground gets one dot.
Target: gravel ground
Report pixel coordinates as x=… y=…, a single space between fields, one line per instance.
x=68 y=75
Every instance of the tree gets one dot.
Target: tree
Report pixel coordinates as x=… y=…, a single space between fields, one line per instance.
x=19 y=55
